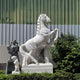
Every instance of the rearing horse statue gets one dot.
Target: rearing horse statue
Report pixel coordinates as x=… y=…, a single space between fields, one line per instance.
x=31 y=48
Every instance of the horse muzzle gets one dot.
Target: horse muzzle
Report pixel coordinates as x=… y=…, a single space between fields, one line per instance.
x=48 y=20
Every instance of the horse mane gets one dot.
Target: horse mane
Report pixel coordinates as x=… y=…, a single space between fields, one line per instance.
x=38 y=25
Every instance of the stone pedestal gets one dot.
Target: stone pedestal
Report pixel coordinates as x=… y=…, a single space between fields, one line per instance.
x=14 y=72
x=40 y=68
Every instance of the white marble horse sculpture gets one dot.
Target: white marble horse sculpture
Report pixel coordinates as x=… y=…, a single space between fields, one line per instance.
x=31 y=48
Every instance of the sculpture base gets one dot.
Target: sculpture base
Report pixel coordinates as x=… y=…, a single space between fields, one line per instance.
x=40 y=68
x=13 y=72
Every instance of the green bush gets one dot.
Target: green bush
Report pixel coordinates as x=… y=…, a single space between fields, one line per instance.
x=66 y=53
x=2 y=72
x=59 y=75
x=76 y=76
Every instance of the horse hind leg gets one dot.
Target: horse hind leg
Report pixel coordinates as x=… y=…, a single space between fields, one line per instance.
x=34 y=60
x=31 y=57
x=24 y=61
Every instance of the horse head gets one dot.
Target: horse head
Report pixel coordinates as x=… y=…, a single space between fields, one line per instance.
x=43 y=18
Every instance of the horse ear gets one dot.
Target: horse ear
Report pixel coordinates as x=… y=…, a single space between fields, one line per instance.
x=45 y=14
x=41 y=13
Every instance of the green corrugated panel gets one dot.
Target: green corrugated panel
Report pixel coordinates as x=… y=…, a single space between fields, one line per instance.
x=73 y=13
x=66 y=12
x=70 y=12
x=17 y=11
x=1 y=11
x=79 y=10
x=55 y=10
x=27 y=11
x=59 y=14
x=52 y=11
x=63 y=12
x=76 y=12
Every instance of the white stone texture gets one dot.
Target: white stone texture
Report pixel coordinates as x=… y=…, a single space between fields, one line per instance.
x=40 y=68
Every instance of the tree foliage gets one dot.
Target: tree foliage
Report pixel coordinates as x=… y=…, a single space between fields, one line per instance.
x=66 y=53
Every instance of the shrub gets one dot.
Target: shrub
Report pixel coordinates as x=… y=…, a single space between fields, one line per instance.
x=2 y=72
x=76 y=76
x=66 y=53
x=59 y=75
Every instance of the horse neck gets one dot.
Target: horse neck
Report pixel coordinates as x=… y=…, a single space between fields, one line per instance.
x=40 y=25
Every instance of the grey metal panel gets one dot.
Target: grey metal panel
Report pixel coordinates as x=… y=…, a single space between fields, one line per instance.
x=4 y=35
x=28 y=32
x=21 y=34
x=18 y=31
x=12 y=32
x=11 y=29
x=7 y=35
x=76 y=31
x=35 y=29
x=66 y=29
x=0 y=34
x=24 y=33
x=72 y=30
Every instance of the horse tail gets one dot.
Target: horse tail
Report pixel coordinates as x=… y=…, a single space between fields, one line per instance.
x=25 y=53
x=23 y=50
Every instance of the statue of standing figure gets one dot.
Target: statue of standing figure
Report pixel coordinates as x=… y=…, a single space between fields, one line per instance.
x=13 y=63
x=31 y=49
x=16 y=64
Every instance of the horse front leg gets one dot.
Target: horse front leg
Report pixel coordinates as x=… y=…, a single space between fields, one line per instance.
x=53 y=32
x=47 y=56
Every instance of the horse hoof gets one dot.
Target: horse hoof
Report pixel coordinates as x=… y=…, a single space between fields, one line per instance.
x=23 y=65
x=37 y=63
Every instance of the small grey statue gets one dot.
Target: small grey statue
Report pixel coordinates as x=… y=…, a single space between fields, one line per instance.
x=16 y=63
x=13 y=48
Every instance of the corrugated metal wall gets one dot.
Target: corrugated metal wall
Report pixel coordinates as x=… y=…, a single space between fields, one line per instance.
x=10 y=32
x=18 y=18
